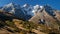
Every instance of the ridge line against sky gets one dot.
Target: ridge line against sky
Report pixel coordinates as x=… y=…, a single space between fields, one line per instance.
x=54 y=3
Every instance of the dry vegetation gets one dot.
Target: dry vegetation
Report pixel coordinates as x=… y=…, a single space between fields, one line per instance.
x=16 y=26
x=24 y=27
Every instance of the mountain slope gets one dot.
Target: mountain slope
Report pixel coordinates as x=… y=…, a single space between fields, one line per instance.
x=44 y=17
x=57 y=12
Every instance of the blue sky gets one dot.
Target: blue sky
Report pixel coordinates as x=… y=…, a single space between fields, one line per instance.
x=54 y=3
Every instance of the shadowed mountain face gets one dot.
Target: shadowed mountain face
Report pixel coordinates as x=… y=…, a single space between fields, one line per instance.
x=17 y=11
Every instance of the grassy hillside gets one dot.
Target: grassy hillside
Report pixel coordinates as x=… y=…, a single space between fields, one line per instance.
x=12 y=25
x=25 y=27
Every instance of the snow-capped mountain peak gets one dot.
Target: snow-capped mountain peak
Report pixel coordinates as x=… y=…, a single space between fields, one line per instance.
x=26 y=9
x=26 y=5
x=19 y=11
x=37 y=8
x=11 y=7
x=41 y=7
x=11 y=4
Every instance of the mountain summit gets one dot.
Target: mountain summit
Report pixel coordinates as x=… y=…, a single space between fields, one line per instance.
x=27 y=11
x=16 y=10
x=11 y=7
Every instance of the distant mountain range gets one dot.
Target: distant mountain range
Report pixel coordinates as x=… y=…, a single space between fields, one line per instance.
x=18 y=11
x=28 y=12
